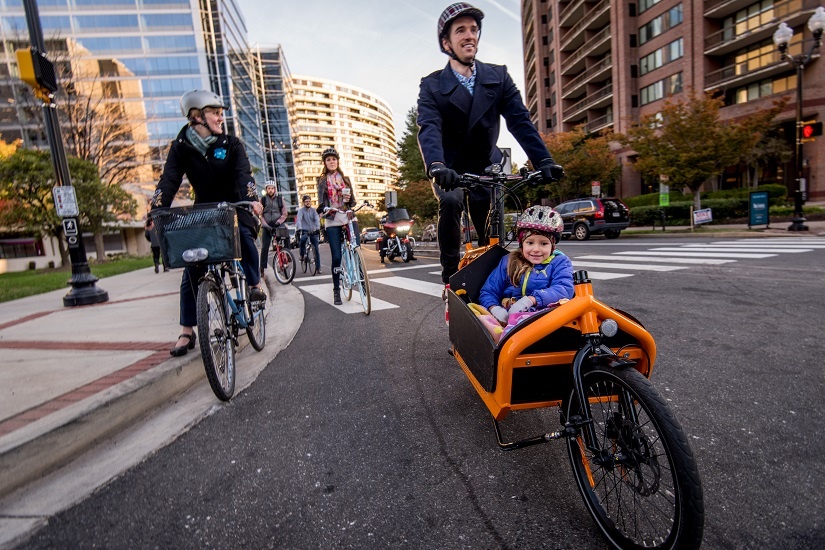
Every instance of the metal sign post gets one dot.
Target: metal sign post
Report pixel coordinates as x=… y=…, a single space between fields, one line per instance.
x=37 y=71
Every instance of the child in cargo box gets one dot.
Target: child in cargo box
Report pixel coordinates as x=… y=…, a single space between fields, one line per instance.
x=534 y=276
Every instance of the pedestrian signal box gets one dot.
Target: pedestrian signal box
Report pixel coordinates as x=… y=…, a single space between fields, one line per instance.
x=811 y=129
x=36 y=71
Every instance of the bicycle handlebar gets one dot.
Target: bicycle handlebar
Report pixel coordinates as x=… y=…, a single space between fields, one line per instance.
x=500 y=180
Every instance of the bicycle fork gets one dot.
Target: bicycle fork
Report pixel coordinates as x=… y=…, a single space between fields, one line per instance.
x=593 y=352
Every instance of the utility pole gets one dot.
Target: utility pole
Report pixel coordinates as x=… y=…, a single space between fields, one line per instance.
x=38 y=72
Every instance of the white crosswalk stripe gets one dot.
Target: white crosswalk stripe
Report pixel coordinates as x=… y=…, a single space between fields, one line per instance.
x=615 y=265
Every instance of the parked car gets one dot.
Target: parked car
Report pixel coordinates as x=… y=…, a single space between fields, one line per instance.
x=370 y=234
x=429 y=234
x=586 y=217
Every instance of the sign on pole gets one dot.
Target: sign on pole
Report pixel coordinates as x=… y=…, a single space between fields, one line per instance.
x=65 y=201
x=664 y=195
x=595 y=188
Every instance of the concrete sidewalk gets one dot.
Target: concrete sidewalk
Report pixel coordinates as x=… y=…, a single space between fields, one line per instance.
x=73 y=377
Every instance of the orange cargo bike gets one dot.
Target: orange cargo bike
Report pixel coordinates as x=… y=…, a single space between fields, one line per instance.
x=630 y=457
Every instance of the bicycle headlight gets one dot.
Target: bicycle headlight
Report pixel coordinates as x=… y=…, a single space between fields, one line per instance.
x=195 y=255
x=609 y=328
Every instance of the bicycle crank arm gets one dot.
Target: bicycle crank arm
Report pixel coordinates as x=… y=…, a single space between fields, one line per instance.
x=568 y=431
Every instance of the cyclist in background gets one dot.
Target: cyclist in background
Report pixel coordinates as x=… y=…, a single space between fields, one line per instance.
x=335 y=202
x=218 y=169
x=274 y=215
x=309 y=224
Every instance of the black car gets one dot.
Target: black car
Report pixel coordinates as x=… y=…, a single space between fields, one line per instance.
x=585 y=217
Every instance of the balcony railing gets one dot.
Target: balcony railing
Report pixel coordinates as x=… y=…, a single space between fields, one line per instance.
x=586 y=75
x=599 y=123
x=589 y=100
x=585 y=49
x=781 y=11
x=571 y=7
x=585 y=21
x=741 y=70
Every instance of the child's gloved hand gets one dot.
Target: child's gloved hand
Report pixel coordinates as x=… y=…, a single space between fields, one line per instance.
x=524 y=304
x=500 y=314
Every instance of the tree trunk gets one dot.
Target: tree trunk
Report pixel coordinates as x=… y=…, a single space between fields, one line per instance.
x=697 y=199
x=64 y=252
x=100 y=248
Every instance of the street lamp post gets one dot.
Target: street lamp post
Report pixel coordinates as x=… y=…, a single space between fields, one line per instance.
x=781 y=38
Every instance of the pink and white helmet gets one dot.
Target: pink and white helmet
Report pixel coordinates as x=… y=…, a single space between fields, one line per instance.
x=539 y=219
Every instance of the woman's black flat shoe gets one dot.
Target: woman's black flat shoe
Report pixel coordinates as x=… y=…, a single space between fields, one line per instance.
x=182 y=350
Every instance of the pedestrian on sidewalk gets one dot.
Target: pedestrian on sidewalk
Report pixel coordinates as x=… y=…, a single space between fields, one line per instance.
x=308 y=223
x=274 y=214
x=218 y=170
x=154 y=243
x=335 y=202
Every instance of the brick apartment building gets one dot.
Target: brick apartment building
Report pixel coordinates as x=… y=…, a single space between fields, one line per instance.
x=605 y=64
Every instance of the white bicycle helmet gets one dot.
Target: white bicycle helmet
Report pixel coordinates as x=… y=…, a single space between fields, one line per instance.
x=198 y=99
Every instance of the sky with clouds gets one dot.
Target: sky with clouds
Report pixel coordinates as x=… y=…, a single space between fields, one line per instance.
x=381 y=46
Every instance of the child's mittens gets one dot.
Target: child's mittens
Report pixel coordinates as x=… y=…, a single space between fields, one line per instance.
x=500 y=314
x=524 y=304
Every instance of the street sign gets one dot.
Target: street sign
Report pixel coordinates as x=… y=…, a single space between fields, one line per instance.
x=664 y=195
x=595 y=188
x=70 y=227
x=65 y=201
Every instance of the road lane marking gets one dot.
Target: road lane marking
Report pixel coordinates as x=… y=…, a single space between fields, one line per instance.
x=413 y=285
x=324 y=293
x=618 y=265
x=691 y=261
x=680 y=252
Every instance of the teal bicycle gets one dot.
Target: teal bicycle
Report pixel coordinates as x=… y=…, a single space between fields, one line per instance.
x=353 y=267
x=206 y=236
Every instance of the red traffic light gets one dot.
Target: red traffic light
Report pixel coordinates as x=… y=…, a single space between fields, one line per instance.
x=811 y=129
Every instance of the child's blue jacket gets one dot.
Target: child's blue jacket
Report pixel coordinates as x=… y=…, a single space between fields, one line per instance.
x=548 y=283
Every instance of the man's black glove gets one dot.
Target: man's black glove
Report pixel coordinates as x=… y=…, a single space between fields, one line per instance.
x=446 y=178
x=550 y=171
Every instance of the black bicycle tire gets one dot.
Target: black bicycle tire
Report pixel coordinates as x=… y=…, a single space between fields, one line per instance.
x=688 y=505
x=363 y=281
x=256 y=331
x=217 y=345
x=286 y=275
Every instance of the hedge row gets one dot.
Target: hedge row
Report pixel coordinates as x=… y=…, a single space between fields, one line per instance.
x=777 y=194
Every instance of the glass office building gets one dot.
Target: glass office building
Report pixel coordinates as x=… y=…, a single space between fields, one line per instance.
x=274 y=89
x=137 y=57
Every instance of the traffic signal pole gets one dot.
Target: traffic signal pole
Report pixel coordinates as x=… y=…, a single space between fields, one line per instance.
x=84 y=289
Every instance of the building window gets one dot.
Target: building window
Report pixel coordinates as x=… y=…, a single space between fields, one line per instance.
x=664 y=22
x=662 y=56
x=645 y=5
x=756 y=90
x=750 y=18
x=660 y=89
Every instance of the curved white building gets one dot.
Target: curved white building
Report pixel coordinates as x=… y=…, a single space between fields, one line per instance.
x=357 y=123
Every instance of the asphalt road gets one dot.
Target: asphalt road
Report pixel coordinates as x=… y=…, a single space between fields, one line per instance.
x=365 y=433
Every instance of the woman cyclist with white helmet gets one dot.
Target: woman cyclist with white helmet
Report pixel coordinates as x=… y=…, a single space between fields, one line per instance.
x=536 y=274
x=218 y=170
